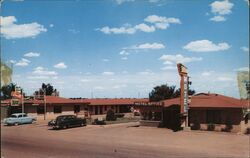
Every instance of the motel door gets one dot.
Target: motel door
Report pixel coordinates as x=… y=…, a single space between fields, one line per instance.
x=171 y=117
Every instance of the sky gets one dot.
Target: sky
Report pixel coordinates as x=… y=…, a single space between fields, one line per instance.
x=124 y=48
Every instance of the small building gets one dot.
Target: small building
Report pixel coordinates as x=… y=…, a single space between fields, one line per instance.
x=56 y=105
x=206 y=112
x=99 y=106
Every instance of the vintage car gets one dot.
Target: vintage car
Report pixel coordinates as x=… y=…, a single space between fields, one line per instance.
x=66 y=121
x=19 y=118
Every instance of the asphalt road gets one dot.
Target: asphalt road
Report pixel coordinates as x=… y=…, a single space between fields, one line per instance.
x=121 y=141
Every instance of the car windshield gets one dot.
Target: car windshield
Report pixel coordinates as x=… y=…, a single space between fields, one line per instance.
x=13 y=116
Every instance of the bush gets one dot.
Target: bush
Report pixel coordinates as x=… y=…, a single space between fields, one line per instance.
x=110 y=115
x=99 y=122
x=210 y=127
x=119 y=115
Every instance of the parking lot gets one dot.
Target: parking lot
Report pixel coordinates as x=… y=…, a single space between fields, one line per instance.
x=118 y=140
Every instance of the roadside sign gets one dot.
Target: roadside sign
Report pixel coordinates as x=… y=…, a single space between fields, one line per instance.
x=14 y=102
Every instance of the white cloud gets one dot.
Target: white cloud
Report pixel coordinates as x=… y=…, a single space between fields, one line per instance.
x=168 y=63
x=218 y=18
x=12 y=61
x=243 y=69
x=158 y=22
x=121 y=30
x=124 y=58
x=105 y=60
x=169 y=68
x=51 y=25
x=145 y=28
x=221 y=7
x=123 y=52
x=224 y=78
x=23 y=62
x=10 y=30
x=108 y=73
x=123 y=1
x=161 y=22
x=162 y=26
x=205 y=46
x=161 y=19
x=207 y=73
x=32 y=54
x=40 y=71
x=245 y=49
x=60 y=65
x=178 y=58
x=37 y=77
x=146 y=72
x=147 y=46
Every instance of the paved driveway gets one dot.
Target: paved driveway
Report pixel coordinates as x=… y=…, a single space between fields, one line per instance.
x=120 y=140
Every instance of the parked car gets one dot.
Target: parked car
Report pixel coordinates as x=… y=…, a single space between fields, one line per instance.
x=66 y=121
x=19 y=118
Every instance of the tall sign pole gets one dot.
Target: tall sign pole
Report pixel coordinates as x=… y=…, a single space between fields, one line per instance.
x=44 y=99
x=184 y=93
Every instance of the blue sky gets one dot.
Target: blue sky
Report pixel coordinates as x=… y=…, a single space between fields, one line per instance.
x=123 y=48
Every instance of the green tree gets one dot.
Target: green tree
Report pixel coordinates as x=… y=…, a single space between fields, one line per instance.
x=164 y=91
x=6 y=90
x=48 y=88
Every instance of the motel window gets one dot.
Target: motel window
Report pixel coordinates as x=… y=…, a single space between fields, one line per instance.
x=105 y=107
x=57 y=109
x=40 y=109
x=77 y=108
x=214 y=116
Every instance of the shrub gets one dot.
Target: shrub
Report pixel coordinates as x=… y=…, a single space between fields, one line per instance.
x=119 y=115
x=210 y=127
x=110 y=115
x=99 y=122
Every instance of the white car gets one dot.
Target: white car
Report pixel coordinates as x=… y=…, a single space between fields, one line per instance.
x=19 y=118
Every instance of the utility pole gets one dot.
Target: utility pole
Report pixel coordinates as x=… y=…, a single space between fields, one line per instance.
x=22 y=101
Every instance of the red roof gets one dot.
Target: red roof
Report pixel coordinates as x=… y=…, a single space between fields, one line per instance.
x=49 y=100
x=110 y=101
x=216 y=100
x=169 y=102
x=58 y=100
x=210 y=100
x=61 y=100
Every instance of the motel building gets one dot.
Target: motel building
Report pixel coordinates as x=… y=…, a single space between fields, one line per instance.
x=54 y=106
x=207 y=111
